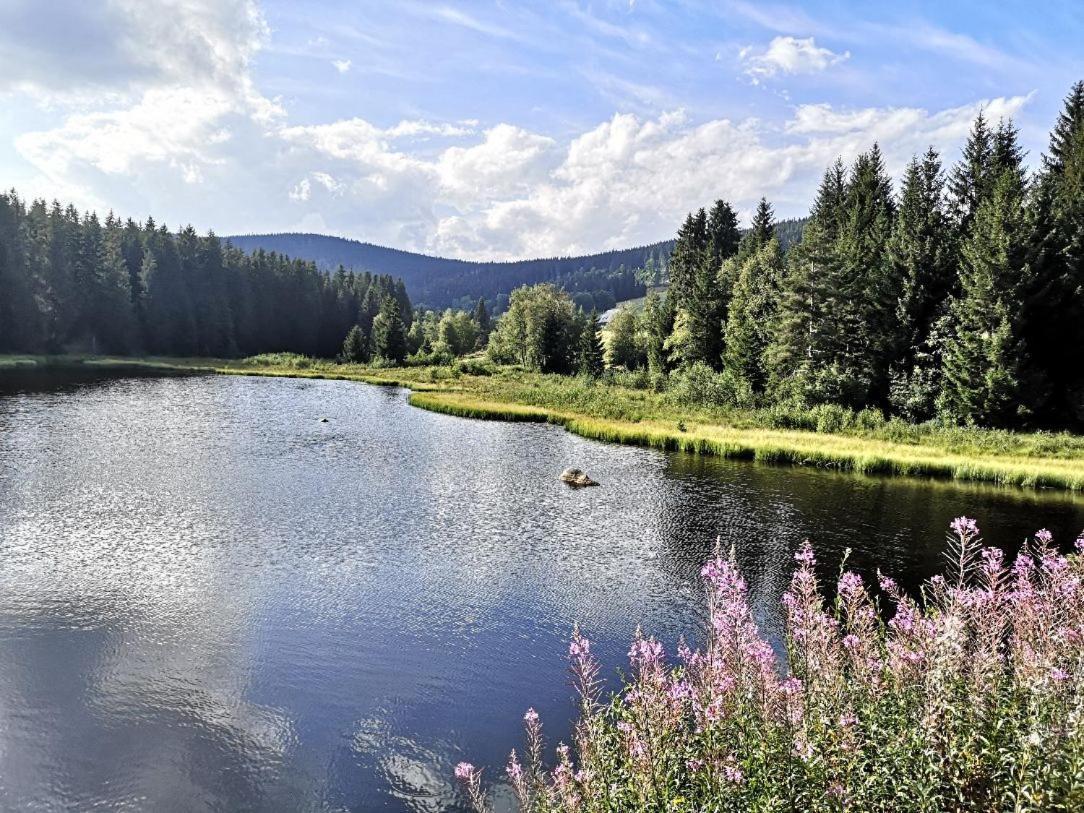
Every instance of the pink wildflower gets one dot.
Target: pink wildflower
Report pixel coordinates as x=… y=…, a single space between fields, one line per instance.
x=733 y=774
x=964 y=527
x=464 y=771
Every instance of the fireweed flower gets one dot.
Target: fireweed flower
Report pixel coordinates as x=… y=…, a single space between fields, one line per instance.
x=464 y=771
x=964 y=527
x=471 y=779
x=870 y=704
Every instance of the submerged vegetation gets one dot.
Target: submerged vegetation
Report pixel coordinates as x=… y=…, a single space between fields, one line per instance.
x=966 y=697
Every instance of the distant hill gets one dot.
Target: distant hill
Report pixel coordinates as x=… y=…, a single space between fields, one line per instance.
x=594 y=280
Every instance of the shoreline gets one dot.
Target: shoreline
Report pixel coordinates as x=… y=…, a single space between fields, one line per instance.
x=797 y=447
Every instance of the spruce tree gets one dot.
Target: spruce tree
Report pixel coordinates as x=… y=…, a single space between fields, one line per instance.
x=837 y=295
x=973 y=176
x=752 y=314
x=688 y=256
x=723 y=234
x=797 y=344
x=355 y=347
x=760 y=232
x=863 y=301
x=591 y=357
x=985 y=360
x=389 y=333
x=1054 y=302
x=658 y=320
x=922 y=259
x=481 y=319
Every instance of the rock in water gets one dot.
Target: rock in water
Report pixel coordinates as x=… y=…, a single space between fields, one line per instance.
x=323 y=420
x=576 y=477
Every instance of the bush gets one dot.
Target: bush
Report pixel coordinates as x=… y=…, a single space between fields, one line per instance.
x=473 y=367
x=700 y=386
x=869 y=419
x=293 y=361
x=968 y=699
x=789 y=415
x=633 y=379
x=829 y=418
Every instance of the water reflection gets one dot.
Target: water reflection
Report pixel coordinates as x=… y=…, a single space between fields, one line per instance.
x=210 y=599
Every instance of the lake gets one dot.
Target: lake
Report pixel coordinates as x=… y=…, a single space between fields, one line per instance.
x=212 y=600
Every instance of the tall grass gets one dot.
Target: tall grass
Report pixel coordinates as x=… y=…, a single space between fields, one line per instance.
x=969 y=698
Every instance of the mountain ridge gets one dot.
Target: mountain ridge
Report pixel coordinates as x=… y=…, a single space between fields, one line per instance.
x=595 y=280
x=445 y=282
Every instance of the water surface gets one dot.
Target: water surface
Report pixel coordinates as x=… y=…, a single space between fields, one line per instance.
x=212 y=600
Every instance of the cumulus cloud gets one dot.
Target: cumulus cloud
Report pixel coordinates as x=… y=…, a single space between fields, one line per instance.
x=789 y=55
x=341 y=65
x=187 y=128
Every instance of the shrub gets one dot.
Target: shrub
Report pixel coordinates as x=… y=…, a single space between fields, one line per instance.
x=470 y=366
x=829 y=418
x=291 y=360
x=969 y=698
x=790 y=415
x=869 y=419
x=698 y=385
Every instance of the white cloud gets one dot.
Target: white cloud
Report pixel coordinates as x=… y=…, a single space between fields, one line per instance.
x=789 y=55
x=177 y=95
x=341 y=65
x=411 y=129
x=509 y=161
x=183 y=125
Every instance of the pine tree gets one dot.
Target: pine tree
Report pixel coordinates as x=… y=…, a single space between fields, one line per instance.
x=389 y=333
x=591 y=357
x=985 y=357
x=355 y=347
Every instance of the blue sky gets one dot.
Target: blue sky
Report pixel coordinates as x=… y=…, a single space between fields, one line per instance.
x=499 y=129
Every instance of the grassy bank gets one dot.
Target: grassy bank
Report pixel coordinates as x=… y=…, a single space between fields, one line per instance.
x=182 y=366
x=625 y=411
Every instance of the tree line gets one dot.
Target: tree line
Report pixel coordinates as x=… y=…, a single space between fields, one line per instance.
x=70 y=282
x=959 y=298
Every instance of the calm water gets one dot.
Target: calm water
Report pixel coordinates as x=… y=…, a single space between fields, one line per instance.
x=211 y=600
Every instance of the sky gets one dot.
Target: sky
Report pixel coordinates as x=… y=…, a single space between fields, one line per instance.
x=500 y=130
